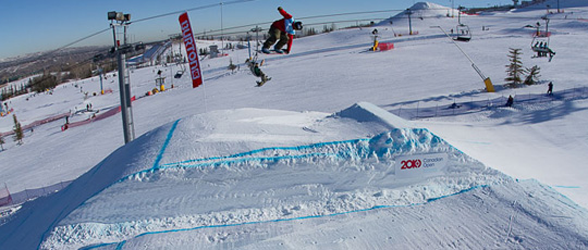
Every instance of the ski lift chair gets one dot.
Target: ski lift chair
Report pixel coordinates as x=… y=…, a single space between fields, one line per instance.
x=180 y=72
x=463 y=33
x=540 y=45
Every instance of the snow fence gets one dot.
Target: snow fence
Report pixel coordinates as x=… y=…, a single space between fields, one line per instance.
x=416 y=111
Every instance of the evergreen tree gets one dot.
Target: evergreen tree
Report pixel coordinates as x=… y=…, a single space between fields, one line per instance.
x=42 y=83
x=515 y=69
x=18 y=133
x=532 y=75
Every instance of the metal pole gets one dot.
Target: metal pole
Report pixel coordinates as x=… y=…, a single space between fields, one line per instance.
x=127 y=82
x=257 y=29
x=222 y=33
x=452 y=15
x=101 y=86
x=547 y=26
x=249 y=45
x=409 y=12
x=124 y=88
x=460 y=8
x=123 y=103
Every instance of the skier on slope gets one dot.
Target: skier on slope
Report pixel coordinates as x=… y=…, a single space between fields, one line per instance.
x=550 y=88
x=282 y=30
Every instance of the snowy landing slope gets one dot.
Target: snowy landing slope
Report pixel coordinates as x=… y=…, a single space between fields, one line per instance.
x=224 y=178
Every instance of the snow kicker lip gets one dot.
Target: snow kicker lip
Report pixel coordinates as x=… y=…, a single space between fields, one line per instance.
x=262 y=151
x=396 y=141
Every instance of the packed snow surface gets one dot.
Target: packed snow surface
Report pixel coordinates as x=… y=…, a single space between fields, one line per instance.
x=315 y=158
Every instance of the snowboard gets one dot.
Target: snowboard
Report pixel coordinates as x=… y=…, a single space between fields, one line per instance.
x=262 y=82
x=272 y=52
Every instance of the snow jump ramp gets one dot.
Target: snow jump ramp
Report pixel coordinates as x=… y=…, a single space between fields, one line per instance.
x=257 y=179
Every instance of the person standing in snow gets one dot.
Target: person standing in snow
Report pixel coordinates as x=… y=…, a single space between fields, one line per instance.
x=550 y=88
x=510 y=101
x=283 y=31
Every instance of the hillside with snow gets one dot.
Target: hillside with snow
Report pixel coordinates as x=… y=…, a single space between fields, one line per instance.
x=320 y=156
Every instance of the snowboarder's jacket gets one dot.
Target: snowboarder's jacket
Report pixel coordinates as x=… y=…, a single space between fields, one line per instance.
x=285 y=25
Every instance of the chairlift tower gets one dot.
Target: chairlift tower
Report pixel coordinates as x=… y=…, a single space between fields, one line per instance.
x=257 y=29
x=409 y=12
x=118 y=19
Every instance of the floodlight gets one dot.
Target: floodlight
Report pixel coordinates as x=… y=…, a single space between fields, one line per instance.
x=118 y=16
x=111 y=15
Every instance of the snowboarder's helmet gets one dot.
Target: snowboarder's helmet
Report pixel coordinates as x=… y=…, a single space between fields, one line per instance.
x=297 y=25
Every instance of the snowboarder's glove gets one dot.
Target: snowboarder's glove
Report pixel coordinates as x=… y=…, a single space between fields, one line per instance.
x=280 y=8
x=286 y=51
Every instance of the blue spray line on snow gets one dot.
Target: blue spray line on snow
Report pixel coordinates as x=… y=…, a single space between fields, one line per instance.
x=560 y=186
x=294 y=148
x=167 y=139
x=377 y=207
x=227 y=162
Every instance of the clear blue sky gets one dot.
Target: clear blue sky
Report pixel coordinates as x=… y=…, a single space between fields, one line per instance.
x=39 y=25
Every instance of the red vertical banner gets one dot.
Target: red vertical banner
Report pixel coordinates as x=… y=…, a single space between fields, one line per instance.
x=191 y=50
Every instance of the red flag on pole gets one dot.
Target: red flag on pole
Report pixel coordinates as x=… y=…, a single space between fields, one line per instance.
x=191 y=50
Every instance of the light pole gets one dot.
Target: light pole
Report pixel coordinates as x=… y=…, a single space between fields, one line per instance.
x=120 y=19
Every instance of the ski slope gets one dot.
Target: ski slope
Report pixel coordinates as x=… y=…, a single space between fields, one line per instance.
x=311 y=159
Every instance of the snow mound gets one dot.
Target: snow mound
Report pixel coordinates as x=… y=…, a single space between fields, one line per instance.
x=368 y=112
x=269 y=183
x=213 y=171
x=427 y=6
x=419 y=10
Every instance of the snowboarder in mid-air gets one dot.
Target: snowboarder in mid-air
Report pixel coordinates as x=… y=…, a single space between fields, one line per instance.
x=283 y=31
x=254 y=66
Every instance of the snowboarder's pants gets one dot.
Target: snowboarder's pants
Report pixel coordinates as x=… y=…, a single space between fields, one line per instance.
x=274 y=35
